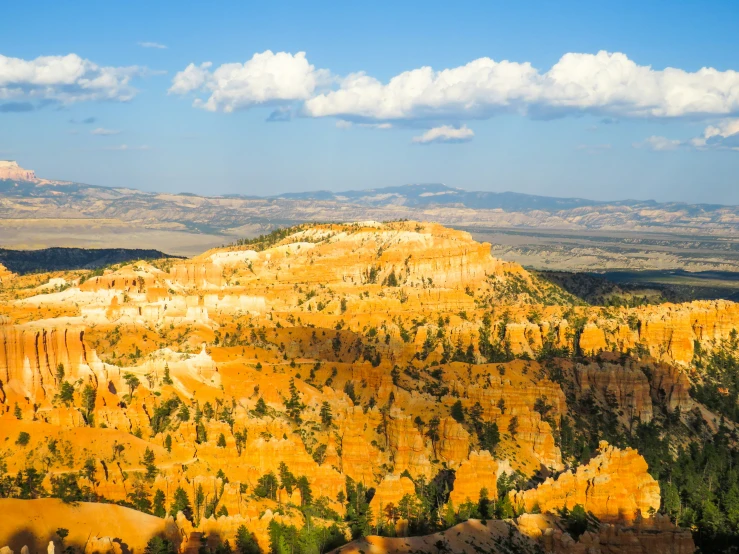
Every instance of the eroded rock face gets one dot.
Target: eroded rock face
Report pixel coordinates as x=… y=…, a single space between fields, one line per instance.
x=341 y=351
x=614 y=486
x=479 y=471
x=6 y=276
x=30 y=355
x=388 y=495
x=11 y=170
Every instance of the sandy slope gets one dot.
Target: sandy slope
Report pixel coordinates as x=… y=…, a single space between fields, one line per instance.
x=34 y=522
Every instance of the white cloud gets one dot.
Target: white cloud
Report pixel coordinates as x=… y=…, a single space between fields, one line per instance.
x=267 y=78
x=152 y=45
x=607 y=84
x=65 y=79
x=659 y=144
x=723 y=135
x=445 y=133
x=192 y=78
x=124 y=147
x=104 y=132
x=344 y=124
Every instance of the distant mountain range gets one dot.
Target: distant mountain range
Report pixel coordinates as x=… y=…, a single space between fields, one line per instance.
x=231 y=214
x=435 y=194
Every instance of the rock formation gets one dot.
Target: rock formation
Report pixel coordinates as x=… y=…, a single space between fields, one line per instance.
x=614 y=486
x=11 y=170
x=377 y=353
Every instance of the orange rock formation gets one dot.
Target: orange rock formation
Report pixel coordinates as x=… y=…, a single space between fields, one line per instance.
x=614 y=486
x=338 y=350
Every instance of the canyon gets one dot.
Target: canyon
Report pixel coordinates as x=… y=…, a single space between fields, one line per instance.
x=340 y=377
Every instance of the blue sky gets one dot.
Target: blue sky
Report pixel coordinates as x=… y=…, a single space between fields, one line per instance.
x=661 y=136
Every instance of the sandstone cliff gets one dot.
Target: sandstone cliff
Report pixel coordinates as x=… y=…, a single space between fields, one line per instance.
x=11 y=170
x=614 y=486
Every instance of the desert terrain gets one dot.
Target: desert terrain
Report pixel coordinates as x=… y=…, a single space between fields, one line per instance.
x=544 y=233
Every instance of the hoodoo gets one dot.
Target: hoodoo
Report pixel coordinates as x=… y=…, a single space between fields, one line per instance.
x=367 y=378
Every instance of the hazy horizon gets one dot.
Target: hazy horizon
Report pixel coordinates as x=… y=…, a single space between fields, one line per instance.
x=604 y=103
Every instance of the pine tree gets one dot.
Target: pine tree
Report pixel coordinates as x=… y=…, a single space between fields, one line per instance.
x=184 y=413
x=132 y=382
x=457 y=412
x=159 y=545
x=513 y=426
x=326 y=415
x=240 y=439
x=306 y=495
x=181 y=503
x=483 y=504
x=151 y=468
x=267 y=486
x=287 y=479
x=199 y=502
x=66 y=393
x=246 y=542
x=261 y=408
x=158 y=508
x=489 y=436
x=89 y=396
x=139 y=497
x=167 y=380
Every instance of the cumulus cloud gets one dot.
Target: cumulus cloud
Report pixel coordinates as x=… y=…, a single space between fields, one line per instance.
x=104 y=132
x=376 y=125
x=659 y=144
x=344 y=124
x=192 y=78
x=445 y=133
x=723 y=135
x=152 y=45
x=65 y=79
x=606 y=84
x=267 y=78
